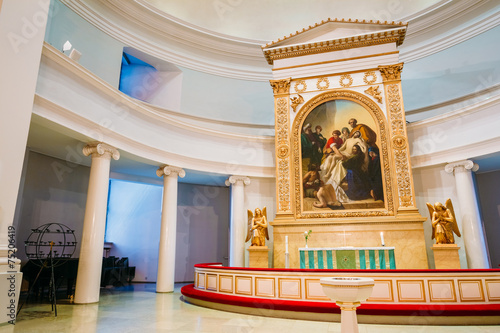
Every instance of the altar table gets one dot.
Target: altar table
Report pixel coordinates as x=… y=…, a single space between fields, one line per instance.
x=347 y=258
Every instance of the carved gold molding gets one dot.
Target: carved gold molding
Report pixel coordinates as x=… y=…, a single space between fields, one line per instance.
x=391 y=72
x=342 y=80
x=373 y=91
x=296 y=101
x=399 y=142
x=282 y=154
x=370 y=77
x=300 y=86
x=380 y=119
x=280 y=86
x=323 y=83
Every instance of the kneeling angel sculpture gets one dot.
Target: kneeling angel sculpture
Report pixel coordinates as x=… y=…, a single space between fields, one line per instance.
x=443 y=222
x=257 y=227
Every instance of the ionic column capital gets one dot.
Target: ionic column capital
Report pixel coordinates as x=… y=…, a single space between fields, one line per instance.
x=234 y=179
x=461 y=166
x=169 y=170
x=101 y=149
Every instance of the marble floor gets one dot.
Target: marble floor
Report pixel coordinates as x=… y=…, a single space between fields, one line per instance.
x=137 y=308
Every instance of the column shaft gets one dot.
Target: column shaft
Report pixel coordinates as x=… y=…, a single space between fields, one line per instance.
x=238 y=221
x=237 y=241
x=168 y=232
x=88 y=281
x=472 y=228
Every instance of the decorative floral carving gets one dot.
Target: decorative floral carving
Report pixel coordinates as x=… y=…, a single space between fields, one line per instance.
x=280 y=86
x=297 y=167
x=323 y=83
x=370 y=77
x=373 y=91
x=282 y=152
x=283 y=185
x=300 y=86
x=399 y=142
x=296 y=101
x=343 y=78
x=402 y=164
x=391 y=72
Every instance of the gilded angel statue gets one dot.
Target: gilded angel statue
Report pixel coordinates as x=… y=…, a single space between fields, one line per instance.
x=443 y=222
x=257 y=227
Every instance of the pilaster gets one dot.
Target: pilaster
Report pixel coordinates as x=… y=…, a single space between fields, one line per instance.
x=405 y=193
x=284 y=185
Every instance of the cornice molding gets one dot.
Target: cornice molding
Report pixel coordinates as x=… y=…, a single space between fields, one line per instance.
x=487 y=93
x=139 y=25
x=480 y=148
x=60 y=115
x=459 y=113
x=142 y=26
x=155 y=113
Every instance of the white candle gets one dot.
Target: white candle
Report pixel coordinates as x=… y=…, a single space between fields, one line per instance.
x=382 y=238
x=286 y=244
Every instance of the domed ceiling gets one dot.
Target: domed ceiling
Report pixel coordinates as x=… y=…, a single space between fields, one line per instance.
x=271 y=19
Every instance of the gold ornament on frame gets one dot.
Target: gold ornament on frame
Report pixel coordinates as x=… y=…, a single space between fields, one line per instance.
x=300 y=86
x=323 y=83
x=370 y=77
x=343 y=78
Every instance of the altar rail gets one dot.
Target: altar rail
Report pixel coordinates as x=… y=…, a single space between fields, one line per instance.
x=347 y=258
x=392 y=286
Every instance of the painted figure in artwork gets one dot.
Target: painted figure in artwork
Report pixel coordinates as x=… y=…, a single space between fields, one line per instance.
x=340 y=172
x=257 y=227
x=444 y=224
x=367 y=133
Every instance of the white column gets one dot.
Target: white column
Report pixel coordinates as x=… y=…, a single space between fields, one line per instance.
x=88 y=279
x=472 y=228
x=166 y=254
x=22 y=30
x=238 y=221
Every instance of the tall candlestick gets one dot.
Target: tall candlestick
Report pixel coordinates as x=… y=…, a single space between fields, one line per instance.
x=382 y=238
x=286 y=244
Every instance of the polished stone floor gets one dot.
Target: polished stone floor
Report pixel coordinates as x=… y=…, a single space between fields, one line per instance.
x=137 y=308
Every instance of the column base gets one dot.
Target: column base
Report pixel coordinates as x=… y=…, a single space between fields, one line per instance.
x=446 y=256
x=258 y=256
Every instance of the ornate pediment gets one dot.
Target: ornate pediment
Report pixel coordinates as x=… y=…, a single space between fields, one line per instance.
x=332 y=35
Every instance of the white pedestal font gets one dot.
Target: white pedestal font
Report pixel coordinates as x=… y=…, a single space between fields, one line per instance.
x=166 y=253
x=472 y=228
x=238 y=220
x=88 y=280
x=348 y=293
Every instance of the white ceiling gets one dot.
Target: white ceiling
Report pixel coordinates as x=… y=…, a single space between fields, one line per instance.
x=273 y=19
